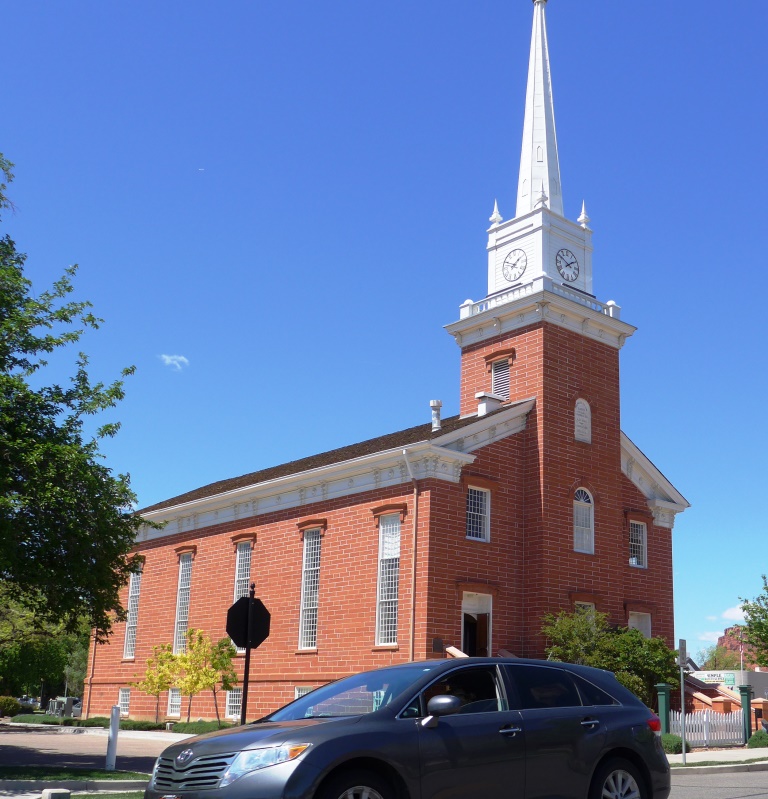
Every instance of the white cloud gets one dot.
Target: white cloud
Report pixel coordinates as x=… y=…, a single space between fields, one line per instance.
x=734 y=614
x=176 y=362
x=712 y=618
x=711 y=637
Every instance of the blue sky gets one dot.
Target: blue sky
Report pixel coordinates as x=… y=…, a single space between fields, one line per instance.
x=277 y=206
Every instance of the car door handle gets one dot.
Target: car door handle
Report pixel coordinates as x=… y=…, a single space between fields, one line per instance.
x=511 y=731
x=592 y=723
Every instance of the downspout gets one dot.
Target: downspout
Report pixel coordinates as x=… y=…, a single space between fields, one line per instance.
x=412 y=650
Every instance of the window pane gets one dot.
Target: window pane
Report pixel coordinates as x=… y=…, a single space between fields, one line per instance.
x=591 y=694
x=310 y=590
x=182 y=603
x=389 y=579
x=583 y=522
x=174 y=702
x=477 y=514
x=540 y=687
x=134 y=589
x=477 y=688
x=637 y=539
x=234 y=703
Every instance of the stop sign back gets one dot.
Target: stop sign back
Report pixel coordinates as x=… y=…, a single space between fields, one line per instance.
x=237 y=623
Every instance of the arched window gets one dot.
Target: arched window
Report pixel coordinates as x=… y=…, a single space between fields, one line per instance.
x=582 y=421
x=583 y=521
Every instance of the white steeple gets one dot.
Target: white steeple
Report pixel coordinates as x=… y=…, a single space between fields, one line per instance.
x=539 y=163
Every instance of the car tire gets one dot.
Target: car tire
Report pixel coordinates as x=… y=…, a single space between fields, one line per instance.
x=357 y=785
x=618 y=779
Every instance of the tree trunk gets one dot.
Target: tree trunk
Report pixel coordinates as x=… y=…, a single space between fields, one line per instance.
x=189 y=708
x=216 y=705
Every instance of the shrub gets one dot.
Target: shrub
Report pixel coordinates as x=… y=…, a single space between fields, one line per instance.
x=759 y=740
x=138 y=724
x=198 y=727
x=94 y=721
x=9 y=706
x=673 y=744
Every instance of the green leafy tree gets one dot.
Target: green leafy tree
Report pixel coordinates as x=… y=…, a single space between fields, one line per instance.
x=196 y=670
x=586 y=638
x=160 y=675
x=221 y=660
x=716 y=658
x=66 y=521
x=756 y=626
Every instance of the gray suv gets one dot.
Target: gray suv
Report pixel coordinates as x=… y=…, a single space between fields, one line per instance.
x=444 y=729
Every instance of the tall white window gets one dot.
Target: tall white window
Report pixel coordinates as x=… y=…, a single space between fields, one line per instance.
x=478 y=514
x=389 y=579
x=182 y=603
x=310 y=589
x=234 y=703
x=500 y=378
x=174 y=701
x=640 y=621
x=638 y=545
x=242 y=573
x=583 y=522
x=124 y=701
x=134 y=588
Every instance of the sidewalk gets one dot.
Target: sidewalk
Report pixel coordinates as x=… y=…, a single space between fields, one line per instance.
x=733 y=759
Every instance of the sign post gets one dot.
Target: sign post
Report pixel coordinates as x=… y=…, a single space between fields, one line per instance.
x=682 y=657
x=248 y=627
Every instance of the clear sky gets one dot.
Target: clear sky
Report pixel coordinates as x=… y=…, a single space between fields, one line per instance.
x=277 y=206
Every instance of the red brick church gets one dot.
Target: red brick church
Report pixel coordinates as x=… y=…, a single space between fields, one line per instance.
x=463 y=531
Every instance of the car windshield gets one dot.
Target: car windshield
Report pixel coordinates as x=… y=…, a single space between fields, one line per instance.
x=353 y=696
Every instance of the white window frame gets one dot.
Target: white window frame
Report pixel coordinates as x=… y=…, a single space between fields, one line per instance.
x=636 y=620
x=174 y=702
x=124 y=701
x=242 y=575
x=310 y=588
x=234 y=703
x=388 y=580
x=182 y=603
x=587 y=607
x=478 y=518
x=583 y=534
x=638 y=545
x=500 y=378
x=301 y=690
x=134 y=590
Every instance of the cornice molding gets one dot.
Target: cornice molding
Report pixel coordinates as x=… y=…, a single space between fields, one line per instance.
x=664 y=500
x=542 y=300
x=442 y=458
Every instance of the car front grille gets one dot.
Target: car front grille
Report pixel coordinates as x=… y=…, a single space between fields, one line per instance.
x=200 y=773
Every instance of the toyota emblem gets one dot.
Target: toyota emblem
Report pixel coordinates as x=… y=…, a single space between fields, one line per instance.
x=182 y=757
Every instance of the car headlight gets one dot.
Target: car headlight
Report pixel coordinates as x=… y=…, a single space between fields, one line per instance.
x=254 y=759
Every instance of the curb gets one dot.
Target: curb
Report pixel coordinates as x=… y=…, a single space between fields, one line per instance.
x=727 y=769
x=74 y=785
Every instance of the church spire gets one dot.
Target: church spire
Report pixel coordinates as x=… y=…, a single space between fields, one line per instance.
x=539 y=164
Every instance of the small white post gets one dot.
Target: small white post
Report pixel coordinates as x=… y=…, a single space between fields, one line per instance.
x=114 y=727
x=682 y=656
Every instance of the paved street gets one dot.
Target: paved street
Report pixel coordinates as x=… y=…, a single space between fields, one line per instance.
x=747 y=785
x=22 y=747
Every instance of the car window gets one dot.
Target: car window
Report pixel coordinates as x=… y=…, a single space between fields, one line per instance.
x=543 y=686
x=591 y=694
x=478 y=688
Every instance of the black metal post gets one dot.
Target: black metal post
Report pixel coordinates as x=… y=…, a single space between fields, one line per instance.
x=247 y=666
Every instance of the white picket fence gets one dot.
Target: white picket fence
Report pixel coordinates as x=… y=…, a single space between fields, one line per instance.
x=706 y=728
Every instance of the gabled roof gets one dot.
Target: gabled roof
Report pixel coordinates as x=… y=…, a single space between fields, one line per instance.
x=400 y=438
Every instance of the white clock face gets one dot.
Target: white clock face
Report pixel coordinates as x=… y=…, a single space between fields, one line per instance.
x=514 y=265
x=567 y=265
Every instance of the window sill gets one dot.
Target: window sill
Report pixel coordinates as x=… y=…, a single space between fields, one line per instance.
x=636 y=566
x=385 y=648
x=584 y=551
x=306 y=651
x=477 y=540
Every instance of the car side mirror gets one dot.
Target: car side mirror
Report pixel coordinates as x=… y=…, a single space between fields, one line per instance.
x=437 y=706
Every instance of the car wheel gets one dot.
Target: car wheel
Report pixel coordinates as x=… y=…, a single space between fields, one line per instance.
x=618 y=779
x=357 y=785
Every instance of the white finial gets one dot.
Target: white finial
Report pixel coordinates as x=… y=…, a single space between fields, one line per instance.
x=542 y=197
x=496 y=218
x=583 y=220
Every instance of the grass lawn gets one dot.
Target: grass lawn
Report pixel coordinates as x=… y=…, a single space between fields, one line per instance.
x=54 y=773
